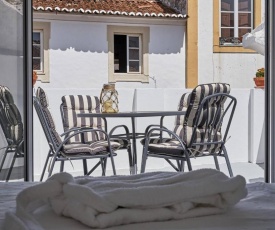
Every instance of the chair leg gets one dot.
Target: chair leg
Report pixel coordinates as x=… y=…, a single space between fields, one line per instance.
x=227 y=161
x=216 y=163
x=11 y=166
x=188 y=161
x=112 y=162
x=179 y=165
x=52 y=166
x=105 y=164
x=85 y=169
x=4 y=158
x=62 y=166
x=129 y=150
x=182 y=166
x=45 y=165
x=144 y=159
x=102 y=162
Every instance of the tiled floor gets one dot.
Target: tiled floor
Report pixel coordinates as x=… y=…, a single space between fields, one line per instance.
x=251 y=172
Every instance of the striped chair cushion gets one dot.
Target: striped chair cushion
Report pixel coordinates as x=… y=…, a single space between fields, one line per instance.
x=11 y=121
x=171 y=147
x=124 y=143
x=185 y=127
x=75 y=104
x=42 y=97
x=98 y=147
x=185 y=124
x=156 y=140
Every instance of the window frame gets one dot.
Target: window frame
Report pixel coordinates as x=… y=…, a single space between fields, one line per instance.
x=143 y=32
x=232 y=48
x=44 y=28
x=236 y=39
x=41 y=57
x=128 y=53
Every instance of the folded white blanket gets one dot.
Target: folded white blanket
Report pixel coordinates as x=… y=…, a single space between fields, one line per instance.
x=100 y=202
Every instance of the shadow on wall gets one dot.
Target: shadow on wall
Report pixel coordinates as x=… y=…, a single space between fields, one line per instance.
x=87 y=37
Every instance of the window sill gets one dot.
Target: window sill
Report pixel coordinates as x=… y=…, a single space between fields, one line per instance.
x=124 y=77
x=42 y=77
x=231 y=49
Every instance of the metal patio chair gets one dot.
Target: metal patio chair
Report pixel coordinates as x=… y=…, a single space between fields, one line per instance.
x=75 y=104
x=12 y=126
x=62 y=150
x=201 y=131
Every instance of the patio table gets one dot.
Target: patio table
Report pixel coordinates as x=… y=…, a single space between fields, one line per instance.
x=133 y=115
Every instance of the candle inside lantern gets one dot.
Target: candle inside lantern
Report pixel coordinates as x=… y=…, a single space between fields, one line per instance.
x=108 y=106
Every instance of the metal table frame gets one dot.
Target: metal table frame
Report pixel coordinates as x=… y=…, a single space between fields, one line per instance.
x=133 y=115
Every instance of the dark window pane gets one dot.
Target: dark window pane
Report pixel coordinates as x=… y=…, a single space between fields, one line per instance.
x=227 y=20
x=227 y=5
x=36 y=38
x=36 y=51
x=225 y=33
x=244 y=19
x=120 y=53
x=133 y=54
x=244 y=31
x=134 y=42
x=245 y=5
x=36 y=64
x=133 y=66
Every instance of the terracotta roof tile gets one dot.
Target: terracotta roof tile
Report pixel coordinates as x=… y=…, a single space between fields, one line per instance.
x=150 y=8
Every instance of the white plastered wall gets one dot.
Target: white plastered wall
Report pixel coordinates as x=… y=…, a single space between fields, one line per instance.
x=79 y=55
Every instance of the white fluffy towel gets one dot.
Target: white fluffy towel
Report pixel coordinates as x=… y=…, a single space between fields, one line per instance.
x=101 y=202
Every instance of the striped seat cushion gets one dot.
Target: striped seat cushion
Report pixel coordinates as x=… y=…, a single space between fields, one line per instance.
x=124 y=143
x=98 y=147
x=171 y=147
x=156 y=140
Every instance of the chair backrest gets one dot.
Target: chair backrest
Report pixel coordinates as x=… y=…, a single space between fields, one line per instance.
x=10 y=117
x=74 y=104
x=200 y=127
x=41 y=105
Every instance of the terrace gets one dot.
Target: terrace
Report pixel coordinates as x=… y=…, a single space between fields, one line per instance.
x=245 y=143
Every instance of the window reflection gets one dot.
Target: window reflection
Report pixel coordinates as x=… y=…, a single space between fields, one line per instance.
x=11 y=90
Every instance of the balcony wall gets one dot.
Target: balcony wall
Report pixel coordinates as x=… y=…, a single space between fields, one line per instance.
x=245 y=142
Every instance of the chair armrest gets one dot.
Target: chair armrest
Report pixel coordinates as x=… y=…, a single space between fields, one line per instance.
x=149 y=127
x=120 y=126
x=82 y=130
x=171 y=133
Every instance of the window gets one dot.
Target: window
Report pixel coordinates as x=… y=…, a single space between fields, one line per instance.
x=37 y=50
x=236 y=20
x=232 y=19
x=40 y=51
x=128 y=53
